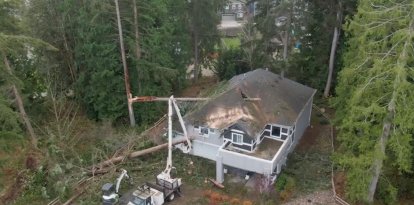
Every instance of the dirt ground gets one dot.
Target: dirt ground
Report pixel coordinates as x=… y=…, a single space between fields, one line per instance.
x=316 y=198
x=189 y=194
x=194 y=90
x=14 y=190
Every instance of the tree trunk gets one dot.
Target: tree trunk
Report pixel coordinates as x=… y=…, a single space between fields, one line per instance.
x=68 y=55
x=334 y=45
x=20 y=106
x=331 y=62
x=399 y=79
x=196 y=63
x=118 y=159
x=137 y=46
x=377 y=166
x=286 y=40
x=126 y=75
x=285 y=46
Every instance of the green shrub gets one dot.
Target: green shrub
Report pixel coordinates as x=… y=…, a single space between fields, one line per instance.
x=323 y=121
x=230 y=63
x=285 y=185
x=281 y=182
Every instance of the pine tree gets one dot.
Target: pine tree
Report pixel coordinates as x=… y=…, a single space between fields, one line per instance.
x=203 y=23
x=13 y=44
x=157 y=45
x=375 y=97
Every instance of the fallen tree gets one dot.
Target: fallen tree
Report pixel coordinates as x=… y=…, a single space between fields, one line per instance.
x=100 y=168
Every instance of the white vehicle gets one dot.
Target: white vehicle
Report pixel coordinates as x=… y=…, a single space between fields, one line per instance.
x=165 y=188
x=110 y=193
x=151 y=194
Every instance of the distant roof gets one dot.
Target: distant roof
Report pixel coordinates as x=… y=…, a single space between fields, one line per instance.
x=238 y=1
x=281 y=102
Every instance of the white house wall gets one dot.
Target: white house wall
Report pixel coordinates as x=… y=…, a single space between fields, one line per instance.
x=212 y=137
x=302 y=122
x=280 y=158
x=205 y=150
x=245 y=162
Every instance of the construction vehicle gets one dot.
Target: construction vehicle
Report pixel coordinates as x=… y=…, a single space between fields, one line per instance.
x=165 y=188
x=110 y=193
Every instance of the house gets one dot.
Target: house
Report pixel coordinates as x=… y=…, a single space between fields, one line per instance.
x=234 y=10
x=232 y=16
x=252 y=8
x=250 y=135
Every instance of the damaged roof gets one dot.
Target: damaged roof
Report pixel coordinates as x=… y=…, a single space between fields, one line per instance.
x=281 y=102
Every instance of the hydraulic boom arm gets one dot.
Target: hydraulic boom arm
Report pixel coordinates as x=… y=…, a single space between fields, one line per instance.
x=188 y=145
x=187 y=149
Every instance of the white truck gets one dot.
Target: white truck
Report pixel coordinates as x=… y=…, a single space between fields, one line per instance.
x=165 y=187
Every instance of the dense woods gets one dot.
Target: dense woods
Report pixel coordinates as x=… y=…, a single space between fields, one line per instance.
x=374 y=101
x=62 y=91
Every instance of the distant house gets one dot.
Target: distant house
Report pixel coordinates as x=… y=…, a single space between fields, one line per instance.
x=254 y=136
x=252 y=7
x=232 y=17
x=234 y=10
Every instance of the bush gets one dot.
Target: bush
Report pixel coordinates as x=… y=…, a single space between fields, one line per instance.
x=323 y=121
x=285 y=185
x=230 y=63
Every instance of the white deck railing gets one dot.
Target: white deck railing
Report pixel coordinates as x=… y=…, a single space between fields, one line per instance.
x=245 y=162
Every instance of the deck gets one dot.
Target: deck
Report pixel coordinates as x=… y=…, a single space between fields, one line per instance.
x=267 y=149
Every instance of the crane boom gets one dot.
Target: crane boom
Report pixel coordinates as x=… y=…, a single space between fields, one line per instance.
x=173 y=104
x=169 y=159
x=188 y=145
x=119 y=179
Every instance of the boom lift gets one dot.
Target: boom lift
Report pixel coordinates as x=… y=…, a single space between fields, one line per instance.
x=165 y=187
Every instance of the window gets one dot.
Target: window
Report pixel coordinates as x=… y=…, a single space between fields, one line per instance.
x=237 y=138
x=276 y=131
x=284 y=130
x=204 y=131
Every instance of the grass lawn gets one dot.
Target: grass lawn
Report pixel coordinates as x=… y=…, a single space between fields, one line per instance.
x=231 y=42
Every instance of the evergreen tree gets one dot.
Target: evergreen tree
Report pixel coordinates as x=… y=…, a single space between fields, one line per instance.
x=14 y=49
x=157 y=46
x=203 y=20
x=375 y=98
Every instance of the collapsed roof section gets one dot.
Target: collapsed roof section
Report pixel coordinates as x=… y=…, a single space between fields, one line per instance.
x=281 y=103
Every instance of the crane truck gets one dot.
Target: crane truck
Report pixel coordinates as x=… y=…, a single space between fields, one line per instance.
x=165 y=188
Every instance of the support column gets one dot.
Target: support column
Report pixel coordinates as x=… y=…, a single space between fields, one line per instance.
x=219 y=169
